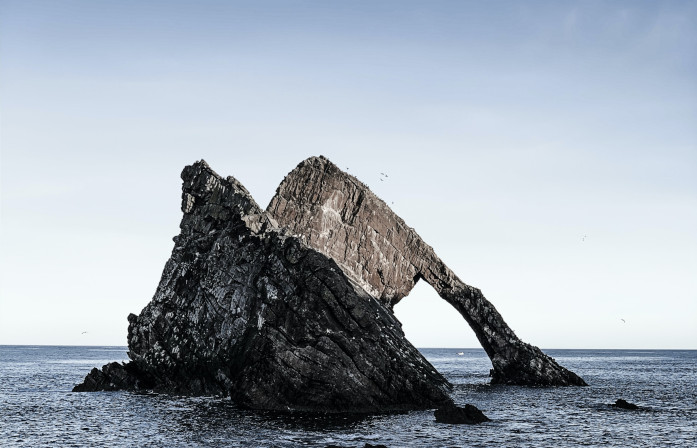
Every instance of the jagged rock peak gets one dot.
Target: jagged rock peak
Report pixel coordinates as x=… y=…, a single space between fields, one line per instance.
x=335 y=212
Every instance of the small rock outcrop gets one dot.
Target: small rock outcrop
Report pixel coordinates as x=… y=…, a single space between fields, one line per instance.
x=470 y=415
x=247 y=311
x=622 y=404
x=339 y=216
x=113 y=376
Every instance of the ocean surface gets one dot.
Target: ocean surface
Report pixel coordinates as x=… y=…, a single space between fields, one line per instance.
x=37 y=408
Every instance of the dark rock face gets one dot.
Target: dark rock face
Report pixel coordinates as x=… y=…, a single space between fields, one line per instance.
x=113 y=376
x=247 y=311
x=452 y=414
x=339 y=216
x=622 y=404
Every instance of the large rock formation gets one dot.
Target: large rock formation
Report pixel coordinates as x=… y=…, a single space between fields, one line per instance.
x=246 y=311
x=291 y=308
x=339 y=216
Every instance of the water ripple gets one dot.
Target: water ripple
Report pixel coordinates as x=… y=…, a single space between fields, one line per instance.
x=37 y=408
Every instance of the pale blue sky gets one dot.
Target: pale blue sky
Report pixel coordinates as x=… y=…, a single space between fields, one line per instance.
x=509 y=130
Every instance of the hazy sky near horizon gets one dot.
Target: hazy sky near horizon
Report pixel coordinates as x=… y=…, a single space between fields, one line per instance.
x=546 y=150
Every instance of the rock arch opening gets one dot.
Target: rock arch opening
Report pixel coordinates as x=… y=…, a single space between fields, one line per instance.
x=430 y=322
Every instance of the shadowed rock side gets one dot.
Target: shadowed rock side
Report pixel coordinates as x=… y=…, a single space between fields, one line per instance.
x=339 y=216
x=247 y=311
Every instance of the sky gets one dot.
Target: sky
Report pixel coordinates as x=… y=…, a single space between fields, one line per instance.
x=547 y=151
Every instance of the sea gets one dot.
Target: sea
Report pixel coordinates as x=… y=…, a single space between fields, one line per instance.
x=38 y=409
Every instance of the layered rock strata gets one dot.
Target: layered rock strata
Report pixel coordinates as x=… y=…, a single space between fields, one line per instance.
x=339 y=216
x=245 y=310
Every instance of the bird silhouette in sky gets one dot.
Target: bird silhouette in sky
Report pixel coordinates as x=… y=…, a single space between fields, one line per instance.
x=583 y=238
x=624 y=321
x=84 y=332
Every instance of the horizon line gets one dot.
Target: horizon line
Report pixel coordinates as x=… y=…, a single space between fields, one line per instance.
x=418 y=348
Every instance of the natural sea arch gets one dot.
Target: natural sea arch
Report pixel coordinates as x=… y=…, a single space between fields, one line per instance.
x=430 y=322
x=339 y=216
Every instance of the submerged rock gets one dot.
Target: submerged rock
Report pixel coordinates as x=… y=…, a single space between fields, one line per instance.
x=247 y=311
x=367 y=445
x=340 y=217
x=622 y=404
x=452 y=414
x=291 y=308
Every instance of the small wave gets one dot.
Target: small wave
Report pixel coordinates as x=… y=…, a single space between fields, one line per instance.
x=106 y=350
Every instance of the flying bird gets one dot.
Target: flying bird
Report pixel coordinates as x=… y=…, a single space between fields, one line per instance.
x=583 y=238
x=84 y=332
x=624 y=321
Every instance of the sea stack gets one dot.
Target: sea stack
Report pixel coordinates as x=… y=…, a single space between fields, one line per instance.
x=291 y=308
x=248 y=311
